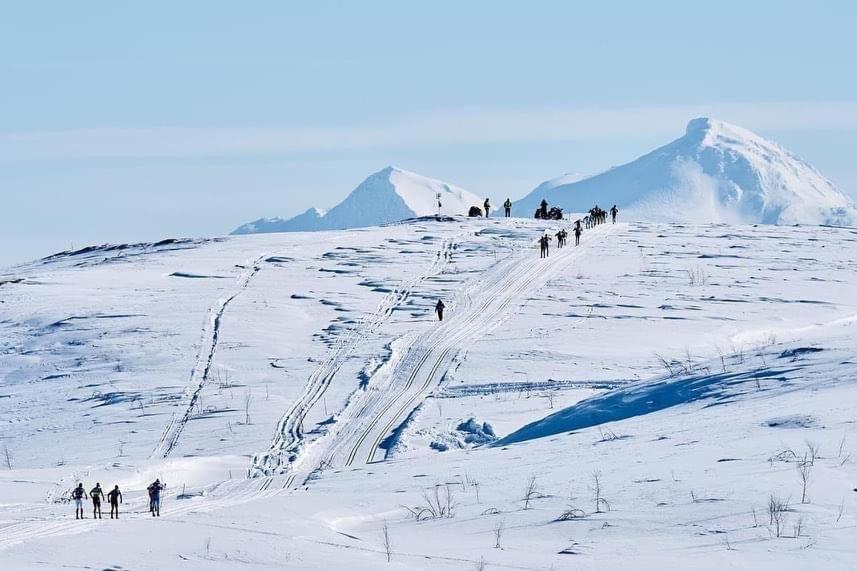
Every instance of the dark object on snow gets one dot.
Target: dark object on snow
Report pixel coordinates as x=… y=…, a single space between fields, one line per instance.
x=474 y=212
x=555 y=213
x=439 y=309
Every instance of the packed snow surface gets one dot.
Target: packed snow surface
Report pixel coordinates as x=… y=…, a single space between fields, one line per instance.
x=389 y=195
x=635 y=402
x=716 y=172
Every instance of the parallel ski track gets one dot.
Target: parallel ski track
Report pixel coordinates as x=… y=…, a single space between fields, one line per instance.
x=497 y=290
x=205 y=358
x=288 y=436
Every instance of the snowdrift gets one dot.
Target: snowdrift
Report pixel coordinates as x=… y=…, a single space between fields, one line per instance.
x=716 y=172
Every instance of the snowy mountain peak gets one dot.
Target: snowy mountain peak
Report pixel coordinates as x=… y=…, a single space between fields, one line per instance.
x=716 y=172
x=389 y=195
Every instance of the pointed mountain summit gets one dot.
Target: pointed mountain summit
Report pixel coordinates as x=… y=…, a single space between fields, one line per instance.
x=389 y=195
x=716 y=172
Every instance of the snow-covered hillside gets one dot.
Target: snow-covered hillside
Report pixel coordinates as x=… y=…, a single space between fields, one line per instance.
x=389 y=195
x=716 y=172
x=635 y=402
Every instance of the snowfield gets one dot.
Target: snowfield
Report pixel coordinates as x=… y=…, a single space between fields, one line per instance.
x=662 y=396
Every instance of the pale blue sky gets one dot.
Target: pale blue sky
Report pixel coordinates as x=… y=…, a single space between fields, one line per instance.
x=122 y=123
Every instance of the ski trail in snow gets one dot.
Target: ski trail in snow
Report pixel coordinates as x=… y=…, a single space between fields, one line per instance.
x=464 y=328
x=200 y=373
x=288 y=436
x=483 y=305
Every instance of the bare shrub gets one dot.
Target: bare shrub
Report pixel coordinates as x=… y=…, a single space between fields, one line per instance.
x=439 y=503
x=784 y=455
x=777 y=509
x=388 y=545
x=697 y=276
x=598 y=490
x=531 y=493
x=804 y=470
x=551 y=397
x=570 y=514
x=668 y=365
x=798 y=527
x=498 y=533
x=813 y=452
x=248 y=400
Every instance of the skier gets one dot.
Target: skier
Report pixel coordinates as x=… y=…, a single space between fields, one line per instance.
x=613 y=212
x=544 y=244
x=77 y=495
x=559 y=239
x=154 y=490
x=577 y=232
x=439 y=309
x=487 y=206
x=96 y=494
x=507 y=206
x=114 y=496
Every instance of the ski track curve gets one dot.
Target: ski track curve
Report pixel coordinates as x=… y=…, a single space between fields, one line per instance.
x=446 y=342
x=205 y=358
x=429 y=355
x=288 y=436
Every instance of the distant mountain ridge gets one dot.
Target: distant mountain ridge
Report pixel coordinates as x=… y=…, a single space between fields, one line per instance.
x=716 y=172
x=388 y=195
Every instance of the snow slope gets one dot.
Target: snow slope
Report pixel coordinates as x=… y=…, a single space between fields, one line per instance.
x=389 y=195
x=693 y=367
x=716 y=172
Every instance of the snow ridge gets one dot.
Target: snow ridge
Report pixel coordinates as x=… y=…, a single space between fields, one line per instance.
x=389 y=195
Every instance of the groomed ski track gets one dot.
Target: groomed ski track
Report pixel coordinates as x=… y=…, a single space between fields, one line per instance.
x=289 y=436
x=482 y=305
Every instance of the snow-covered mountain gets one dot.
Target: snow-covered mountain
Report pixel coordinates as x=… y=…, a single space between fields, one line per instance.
x=716 y=172
x=389 y=195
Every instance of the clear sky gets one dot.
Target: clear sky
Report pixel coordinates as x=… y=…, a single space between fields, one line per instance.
x=128 y=121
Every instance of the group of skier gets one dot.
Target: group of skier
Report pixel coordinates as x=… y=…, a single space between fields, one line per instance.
x=114 y=498
x=595 y=217
x=507 y=207
x=598 y=216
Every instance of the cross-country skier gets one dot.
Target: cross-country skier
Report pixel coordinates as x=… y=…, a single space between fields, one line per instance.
x=544 y=245
x=507 y=206
x=487 y=207
x=78 y=494
x=97 y=494
x=154 y=490
x=439 y=309
x=613 y=212
x=114 y=496
x=577 y=232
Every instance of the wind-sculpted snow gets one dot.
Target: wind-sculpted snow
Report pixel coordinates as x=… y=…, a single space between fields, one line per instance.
x=390 y=195
x=642 y=398
x=716 y=172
